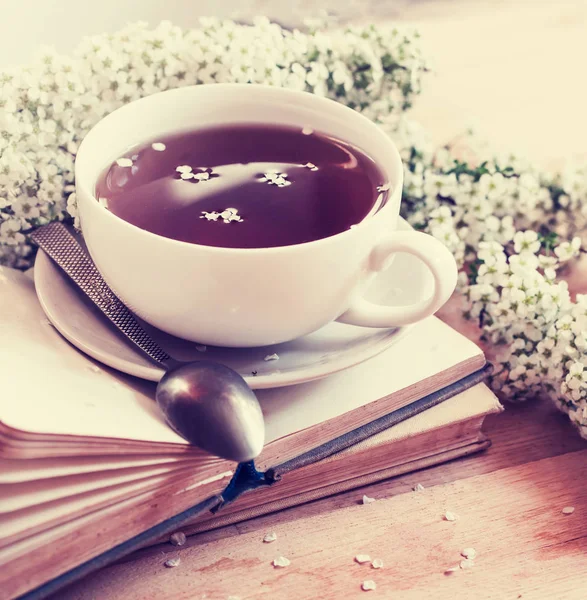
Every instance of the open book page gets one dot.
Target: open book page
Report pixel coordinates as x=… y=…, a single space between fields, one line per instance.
x=17 y=496
x=430 y=348
x=27 y=521
x=13 y=471
x=50 y=387
x=38 y=558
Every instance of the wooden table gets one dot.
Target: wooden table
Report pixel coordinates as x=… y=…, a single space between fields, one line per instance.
x=514 y=66
x=508 y=501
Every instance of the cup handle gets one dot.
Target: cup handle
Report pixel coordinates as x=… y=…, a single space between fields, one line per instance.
x=434 y=254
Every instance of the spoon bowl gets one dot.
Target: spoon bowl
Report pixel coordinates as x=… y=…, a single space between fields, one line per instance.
x=212 y=407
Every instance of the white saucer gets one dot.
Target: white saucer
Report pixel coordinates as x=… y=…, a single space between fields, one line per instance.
x=333 y=348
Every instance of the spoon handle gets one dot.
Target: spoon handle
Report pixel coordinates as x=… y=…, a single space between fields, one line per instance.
x=62 y=247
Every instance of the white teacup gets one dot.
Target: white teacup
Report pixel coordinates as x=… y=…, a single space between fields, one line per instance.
x=250 y=297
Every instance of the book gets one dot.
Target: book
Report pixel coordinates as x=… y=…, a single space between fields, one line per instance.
x=445 y=431
x=85 y=455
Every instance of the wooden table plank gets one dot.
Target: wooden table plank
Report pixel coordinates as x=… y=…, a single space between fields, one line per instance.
x=511 y=516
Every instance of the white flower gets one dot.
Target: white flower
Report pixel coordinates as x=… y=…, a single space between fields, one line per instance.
x=576 y=369
x=547 y=262
x=210 y=216
x=526 y=241
x=10 y=232
x=480 y=208
x=507 y=229
x=440 y=216
x=524 y=262
x=493 y=272
x=440 y=185
x=483 y=293
x=341 y=75
x=275 y=178
x=491 y=185
x=489 y=251
x=568 y=250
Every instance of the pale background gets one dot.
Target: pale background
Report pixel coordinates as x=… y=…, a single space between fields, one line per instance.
x=513 y=68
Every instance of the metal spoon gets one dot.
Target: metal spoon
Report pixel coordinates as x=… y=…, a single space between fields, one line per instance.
x=208 y=404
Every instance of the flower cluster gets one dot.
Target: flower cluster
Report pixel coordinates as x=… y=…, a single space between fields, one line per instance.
x=514 y=231
x=512 y=228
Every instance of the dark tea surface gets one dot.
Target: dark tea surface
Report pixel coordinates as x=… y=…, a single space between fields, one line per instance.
x=243 y=186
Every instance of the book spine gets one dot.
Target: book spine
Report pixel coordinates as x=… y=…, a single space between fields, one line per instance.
x=362 y=433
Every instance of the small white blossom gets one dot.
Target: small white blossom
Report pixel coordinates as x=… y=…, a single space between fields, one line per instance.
x=281 y=562
x=526 y=241
x=491 y=250
x=172 y=562
x=269 y=537
x=210 y=216
x=228 y=215
x=440 y=185
x=568 y=250
x=275 y=178
x=524 y=263
x=494 y=185
x=469 y=553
